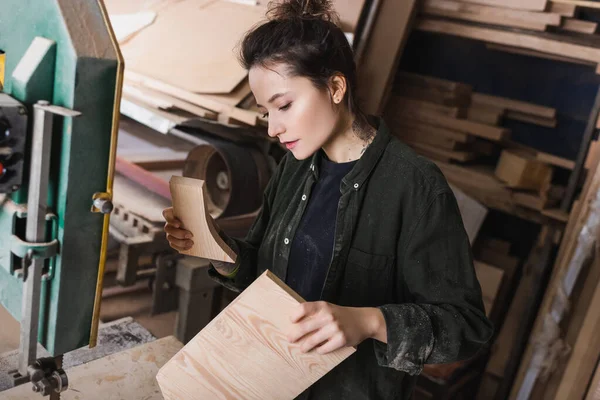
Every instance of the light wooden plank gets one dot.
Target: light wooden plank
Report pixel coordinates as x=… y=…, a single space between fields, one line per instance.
x=582 y=3
x=555 y=160
x=426 y=82
x=566 y=10
x=473 y=213
x=593 y=155
x=522 y=171
x=461 y=125
x=208 y=102
x=130 y=375
x=541 y=18
x=429 y=150
x=383 y=49
x=243 y=352
x=170 y=49
x=536 y=5
x=514 y=105
x=579 y=26
x=490 y=279
x=537 y=54
x=531 y=119
x=485 y=114
x=426 y=137
x=532 y=42
x=556 y=214
x=455 y=112
x=483 y=18
x=430 y=130
x=189 y=207
x=584 y=356
x=594 y=389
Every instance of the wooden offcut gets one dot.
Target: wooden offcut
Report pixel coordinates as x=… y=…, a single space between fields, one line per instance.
x=189 y=207
x=579 y=26
x=490 y=279
x=535 y=5
x=521 y=171
x=514 y=105
x=528 y=41
x=244 y=353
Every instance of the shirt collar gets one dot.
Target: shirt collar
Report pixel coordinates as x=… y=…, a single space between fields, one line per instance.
x=363 y=168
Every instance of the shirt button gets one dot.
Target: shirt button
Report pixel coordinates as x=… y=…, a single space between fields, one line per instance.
x=286 y=241
x=356 y=186
x=303 y=197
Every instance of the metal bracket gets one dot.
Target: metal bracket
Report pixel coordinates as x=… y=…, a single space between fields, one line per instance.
x=102 y=203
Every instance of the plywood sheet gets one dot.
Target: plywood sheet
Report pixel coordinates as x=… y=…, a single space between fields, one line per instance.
x=191 y=45
x=243 y=352
x=126 y=375
x=188 y=206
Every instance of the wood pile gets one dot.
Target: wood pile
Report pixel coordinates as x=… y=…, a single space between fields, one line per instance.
x=462 y=131
x=549 y=29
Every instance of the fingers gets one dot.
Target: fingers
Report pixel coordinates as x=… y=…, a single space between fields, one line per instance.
x=318 y=338
x=307 y=326
x=306 y=309
x=170 y=217
x=177 y=232
x=334 y=343
x=184 y=244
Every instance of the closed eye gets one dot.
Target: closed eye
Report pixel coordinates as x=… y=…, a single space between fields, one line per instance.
x=287 y=106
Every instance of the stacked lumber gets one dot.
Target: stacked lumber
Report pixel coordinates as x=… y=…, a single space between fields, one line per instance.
x=174 y=74
x=538 y=28
x=561 y=358
x=462 y=132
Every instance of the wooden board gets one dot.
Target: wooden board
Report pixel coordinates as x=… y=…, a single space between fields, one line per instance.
x=514 y=105
x=533 y=42
x=243 y=352
x=429 y=130
x=441 y=153
x=383 y=49
x=189 y=207
x=579 y=26
x=183 y=36
x=521 y=171
x=473 y=213
x=536 y=5
x=495 y=13
x=417 y=135
x=537 y=54
x=490 y=279
x=208 y=102
x=130 y=375
x=415 y=104
x=493 y=19
x=485 y=114
x=594 y=388
x=460 y=125
x=584 y=356
x=531 y=119
x=566 y=10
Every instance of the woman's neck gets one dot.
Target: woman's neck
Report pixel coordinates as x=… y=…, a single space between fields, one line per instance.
x=345 y=145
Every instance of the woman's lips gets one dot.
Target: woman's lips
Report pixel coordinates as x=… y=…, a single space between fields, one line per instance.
x=291 y=145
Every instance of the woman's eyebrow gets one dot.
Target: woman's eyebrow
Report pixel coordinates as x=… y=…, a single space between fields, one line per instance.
x=273 y=98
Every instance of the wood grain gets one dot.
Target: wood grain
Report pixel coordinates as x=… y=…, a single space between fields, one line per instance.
x=243 y=352
x=514 y=105
x=129 y=375
x=189 y=207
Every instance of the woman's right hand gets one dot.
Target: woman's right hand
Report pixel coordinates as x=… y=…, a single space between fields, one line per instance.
x=179 y=239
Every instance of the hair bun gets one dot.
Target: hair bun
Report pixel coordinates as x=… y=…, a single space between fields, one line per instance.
x=299 y=9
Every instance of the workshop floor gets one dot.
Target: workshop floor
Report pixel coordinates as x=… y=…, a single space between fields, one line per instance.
x=9 y=334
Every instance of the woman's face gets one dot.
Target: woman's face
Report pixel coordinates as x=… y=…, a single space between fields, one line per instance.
x=301 y=116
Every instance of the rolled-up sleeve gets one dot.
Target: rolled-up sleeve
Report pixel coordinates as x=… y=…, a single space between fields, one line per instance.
x=443 y=319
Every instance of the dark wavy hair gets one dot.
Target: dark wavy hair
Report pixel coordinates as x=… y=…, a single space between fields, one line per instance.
x=304 y=35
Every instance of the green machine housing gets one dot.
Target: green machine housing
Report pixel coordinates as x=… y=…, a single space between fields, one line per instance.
x=60 y=51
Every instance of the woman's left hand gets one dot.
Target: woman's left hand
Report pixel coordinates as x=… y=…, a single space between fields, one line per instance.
x=328 y=327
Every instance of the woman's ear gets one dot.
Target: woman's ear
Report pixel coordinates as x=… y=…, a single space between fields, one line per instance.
x=337 y=88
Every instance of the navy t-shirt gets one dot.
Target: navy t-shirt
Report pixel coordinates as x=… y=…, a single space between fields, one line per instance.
x=312 y=247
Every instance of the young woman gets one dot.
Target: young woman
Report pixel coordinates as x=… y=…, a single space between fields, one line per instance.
x=368 y=232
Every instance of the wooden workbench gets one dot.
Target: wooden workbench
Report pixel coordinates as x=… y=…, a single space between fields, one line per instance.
x=129 y=374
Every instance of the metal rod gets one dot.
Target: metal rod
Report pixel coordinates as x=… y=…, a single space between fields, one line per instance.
x=35 y=232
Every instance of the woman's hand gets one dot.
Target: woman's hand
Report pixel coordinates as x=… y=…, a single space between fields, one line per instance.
x=179 y=239
x=328 y=327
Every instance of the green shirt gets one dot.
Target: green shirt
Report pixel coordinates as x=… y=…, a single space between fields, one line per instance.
x=400 y=245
